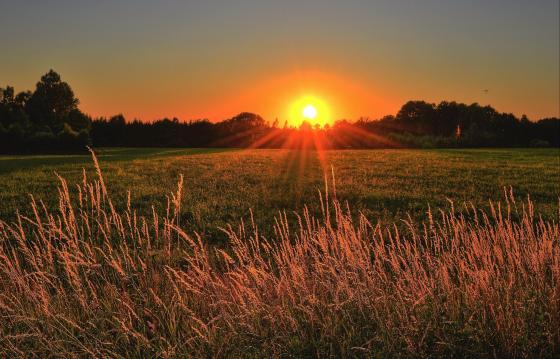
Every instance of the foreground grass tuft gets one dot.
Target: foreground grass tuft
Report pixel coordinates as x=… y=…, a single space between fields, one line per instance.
x=91 y=280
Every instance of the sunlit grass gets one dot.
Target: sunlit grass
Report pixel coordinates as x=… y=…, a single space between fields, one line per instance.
x=92 y=277
x=221 y=187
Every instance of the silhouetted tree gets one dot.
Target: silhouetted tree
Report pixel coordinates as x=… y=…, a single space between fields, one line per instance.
x=49 y=119
x=417 y=116
x=52 y=102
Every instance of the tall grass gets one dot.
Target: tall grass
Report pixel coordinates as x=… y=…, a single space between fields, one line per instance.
x=89 y=280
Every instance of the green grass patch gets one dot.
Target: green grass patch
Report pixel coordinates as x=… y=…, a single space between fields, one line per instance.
x=221 y=186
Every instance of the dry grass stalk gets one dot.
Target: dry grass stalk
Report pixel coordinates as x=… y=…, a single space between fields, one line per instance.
x=88 y=280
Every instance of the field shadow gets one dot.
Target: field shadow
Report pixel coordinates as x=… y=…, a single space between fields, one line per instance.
x=9 y=163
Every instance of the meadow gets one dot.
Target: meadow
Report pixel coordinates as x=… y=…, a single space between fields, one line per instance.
x=251 y=253
x=222 y=186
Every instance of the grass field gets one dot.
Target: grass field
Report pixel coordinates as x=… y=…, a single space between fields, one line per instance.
x=221 y=186
x=91 y=275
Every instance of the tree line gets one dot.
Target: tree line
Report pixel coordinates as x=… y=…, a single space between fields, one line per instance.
x=48 y=119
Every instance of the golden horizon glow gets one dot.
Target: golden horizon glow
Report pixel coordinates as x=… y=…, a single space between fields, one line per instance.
x=185 y=67
x=278 y=96
x=309 y=108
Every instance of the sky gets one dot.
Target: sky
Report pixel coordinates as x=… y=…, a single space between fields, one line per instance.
x=213 y=59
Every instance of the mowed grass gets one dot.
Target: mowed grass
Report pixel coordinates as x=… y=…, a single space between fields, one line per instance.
x=222 y=186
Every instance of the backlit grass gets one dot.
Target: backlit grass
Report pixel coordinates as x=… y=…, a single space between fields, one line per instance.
x=93 y=277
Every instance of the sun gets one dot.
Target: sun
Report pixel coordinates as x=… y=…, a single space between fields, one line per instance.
x=309 y=112
x=311 y=109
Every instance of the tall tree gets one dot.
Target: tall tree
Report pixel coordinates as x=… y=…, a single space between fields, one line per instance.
x=52 y=102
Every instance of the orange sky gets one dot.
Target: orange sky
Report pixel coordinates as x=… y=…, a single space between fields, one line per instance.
x=216 y=58
x=273 y=98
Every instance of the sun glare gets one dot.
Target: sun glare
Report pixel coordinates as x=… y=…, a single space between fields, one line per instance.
x=310 y=112
x=310 y=109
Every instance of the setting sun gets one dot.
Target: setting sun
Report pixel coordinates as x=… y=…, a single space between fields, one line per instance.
x=310 y=112
x=311 y=109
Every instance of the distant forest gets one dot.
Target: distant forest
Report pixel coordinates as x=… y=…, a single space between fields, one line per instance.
x=49 y=120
